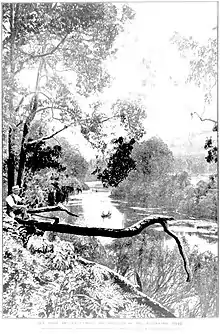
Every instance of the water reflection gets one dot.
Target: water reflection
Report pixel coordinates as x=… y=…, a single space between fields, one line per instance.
x=90 y=204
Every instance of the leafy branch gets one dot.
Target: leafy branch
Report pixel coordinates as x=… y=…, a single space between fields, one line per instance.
x=48 y=53
x=48 y=137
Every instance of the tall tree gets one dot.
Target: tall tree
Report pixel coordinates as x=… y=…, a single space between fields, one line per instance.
x=49 y=40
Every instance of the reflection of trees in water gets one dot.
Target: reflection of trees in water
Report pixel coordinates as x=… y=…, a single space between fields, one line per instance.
x=127 y=216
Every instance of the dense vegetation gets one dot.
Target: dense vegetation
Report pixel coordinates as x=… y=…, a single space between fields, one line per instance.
x=72 y=42
x=150 y=175
x=161 y=274
x=174 y=193
x=54 y=280
x=60 y=167
x=119 y=165
x=63 y=47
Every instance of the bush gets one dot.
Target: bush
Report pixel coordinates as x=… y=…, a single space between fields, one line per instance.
x=172 y=192
x=162 y=275
x=201 y=201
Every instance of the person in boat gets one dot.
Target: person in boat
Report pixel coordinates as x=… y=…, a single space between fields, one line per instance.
x=104 y=215
x=15 y=204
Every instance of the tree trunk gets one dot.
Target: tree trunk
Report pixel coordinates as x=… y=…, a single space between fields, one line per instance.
x=11 y=162
x=11 y=158
x=22 y=156
x=27 y=124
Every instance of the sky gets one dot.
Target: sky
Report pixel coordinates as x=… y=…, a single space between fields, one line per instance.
x=169 y=101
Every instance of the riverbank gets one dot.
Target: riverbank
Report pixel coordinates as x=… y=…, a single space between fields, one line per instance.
x=148 y=255
x=56 y=282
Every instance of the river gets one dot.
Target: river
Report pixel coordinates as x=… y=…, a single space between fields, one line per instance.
x=90 y=205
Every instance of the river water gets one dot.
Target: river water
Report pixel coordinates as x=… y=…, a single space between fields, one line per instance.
x=92 y=203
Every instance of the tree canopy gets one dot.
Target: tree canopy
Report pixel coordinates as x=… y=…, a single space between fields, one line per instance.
x=61 y=49
x=153 y=158
x=119 y=164
x=202 y=61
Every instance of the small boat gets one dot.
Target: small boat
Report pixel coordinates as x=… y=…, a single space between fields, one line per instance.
x=106 y=215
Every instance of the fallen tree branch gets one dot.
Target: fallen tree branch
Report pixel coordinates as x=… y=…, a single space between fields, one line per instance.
x=104 y=232
x=58 y=207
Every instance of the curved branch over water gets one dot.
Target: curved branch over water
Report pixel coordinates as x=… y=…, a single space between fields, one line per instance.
x=131 y=231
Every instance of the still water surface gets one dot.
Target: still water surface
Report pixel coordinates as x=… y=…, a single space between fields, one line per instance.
x=92 y=203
